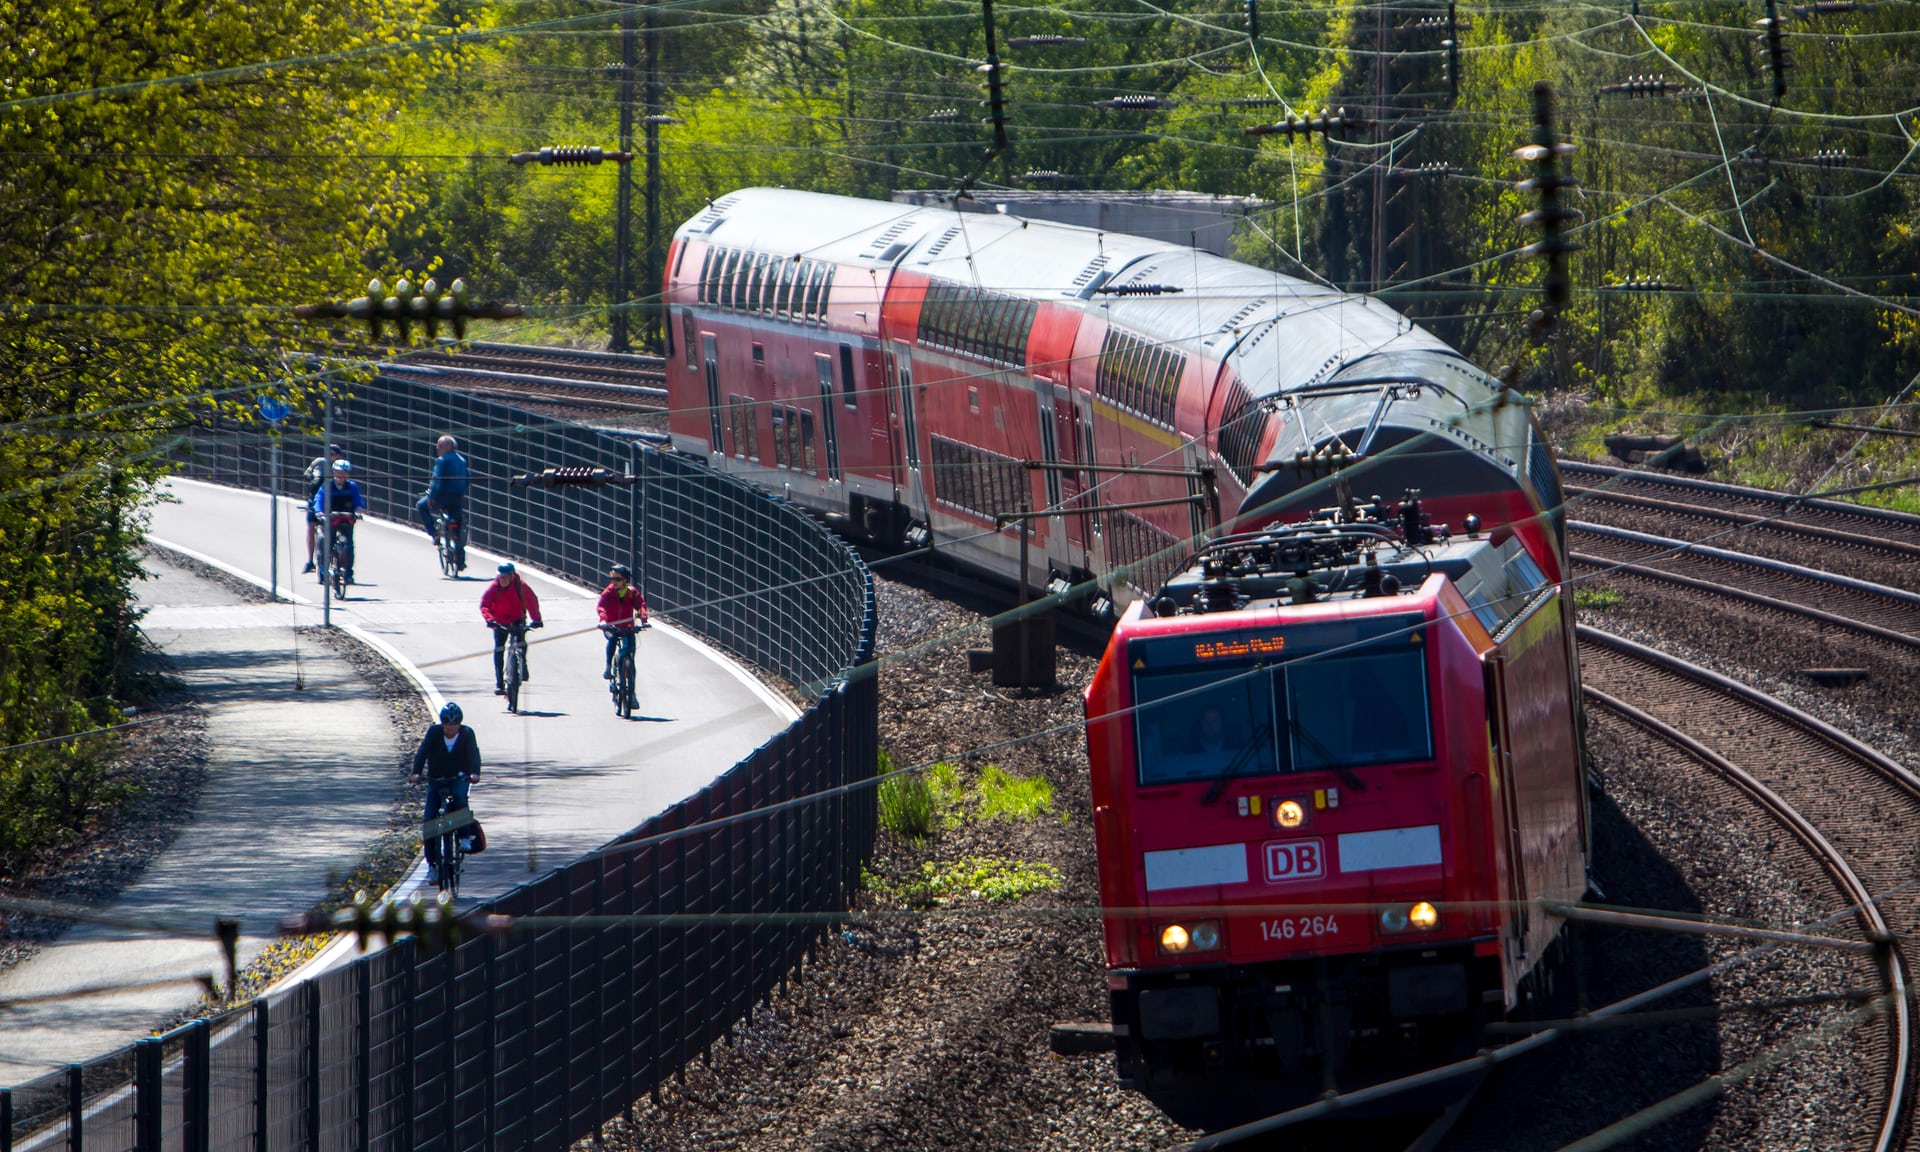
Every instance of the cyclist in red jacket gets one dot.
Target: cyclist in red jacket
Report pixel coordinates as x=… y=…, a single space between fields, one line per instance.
x=506 y=605
x=620 y=603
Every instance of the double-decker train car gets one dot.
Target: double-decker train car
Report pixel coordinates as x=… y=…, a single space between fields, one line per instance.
x=1336 y=779
x=912 y=372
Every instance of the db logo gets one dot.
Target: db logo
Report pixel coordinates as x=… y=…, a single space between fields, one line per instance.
x=1294 y=860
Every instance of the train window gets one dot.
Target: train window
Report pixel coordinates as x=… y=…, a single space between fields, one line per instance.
x=759 y=353
x=973 y=397
x=826 y=291
x=687 y=334
x=815 y=274
x=807 y=461
x=1523 y=575
x=706 y=270
x=754 y=277
x=1352 y=711
x=780 y=436
x=846 y=374
x=785 y=292
x=1205 y=725
x=823 y=371
x=727 y=268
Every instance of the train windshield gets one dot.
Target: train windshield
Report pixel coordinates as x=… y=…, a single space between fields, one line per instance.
x=1350 y=708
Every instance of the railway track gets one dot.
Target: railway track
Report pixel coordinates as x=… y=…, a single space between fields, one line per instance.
x=1852 y=808
x=1888 y=614
x=1876 y=543
x=590 y=387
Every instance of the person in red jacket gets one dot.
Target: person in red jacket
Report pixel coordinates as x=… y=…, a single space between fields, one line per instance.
x=620 y=604
x=507 y=604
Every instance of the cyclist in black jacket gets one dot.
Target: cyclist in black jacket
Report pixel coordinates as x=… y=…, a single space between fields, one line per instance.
x=449 y=757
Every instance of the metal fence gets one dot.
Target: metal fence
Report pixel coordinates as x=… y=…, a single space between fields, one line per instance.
x=627 y=963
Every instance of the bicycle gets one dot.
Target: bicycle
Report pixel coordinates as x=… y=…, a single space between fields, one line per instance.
x=622 y=687
x=446 y=827
x=453 y=544
x=513 y=671
x=339 y=563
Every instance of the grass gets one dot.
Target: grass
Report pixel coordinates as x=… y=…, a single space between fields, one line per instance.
x=1004 y=797
x=914 y=804
x=907 y=806
x=972 y=877
x=1598 y=599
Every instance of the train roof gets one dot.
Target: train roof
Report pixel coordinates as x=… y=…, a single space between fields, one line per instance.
x=1369 y=558
x=1279 y=332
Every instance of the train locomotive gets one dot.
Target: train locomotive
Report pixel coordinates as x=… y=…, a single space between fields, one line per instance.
x=1336 y=777
x=1333 y=744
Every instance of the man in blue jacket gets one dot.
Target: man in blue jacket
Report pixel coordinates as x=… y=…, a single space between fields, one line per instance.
x=339 y=503
x=447 y=491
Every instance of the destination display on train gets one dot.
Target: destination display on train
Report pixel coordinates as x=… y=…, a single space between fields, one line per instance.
x=1269 y=645
x=1226 y=647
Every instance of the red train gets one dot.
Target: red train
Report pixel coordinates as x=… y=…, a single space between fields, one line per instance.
x=1320 y=816
x=917 y=370
x=1333 y=762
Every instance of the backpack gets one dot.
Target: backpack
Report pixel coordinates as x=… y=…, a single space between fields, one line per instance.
x=472 y=839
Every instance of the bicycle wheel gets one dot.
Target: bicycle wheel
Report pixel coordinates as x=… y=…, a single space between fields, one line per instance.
x=514 y=673
x=450 y=868
x=626 y=701
x=339 y=578
x=446 y=557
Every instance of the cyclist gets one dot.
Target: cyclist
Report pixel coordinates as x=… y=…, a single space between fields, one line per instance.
x=507 y=602
x=340 y=496
x=620 y=602
x=316 y=474
x=447 y=491
x=449 y=756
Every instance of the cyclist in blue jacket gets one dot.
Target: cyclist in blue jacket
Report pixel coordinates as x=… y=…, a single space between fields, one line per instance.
x=447 y=491
x=340 y=497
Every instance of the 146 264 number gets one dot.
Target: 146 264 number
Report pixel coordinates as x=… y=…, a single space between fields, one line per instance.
x=1299 y=928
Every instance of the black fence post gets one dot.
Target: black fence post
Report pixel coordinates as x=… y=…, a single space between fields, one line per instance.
x=363 y=1060
x=262 y=1051
x=147 y=1055
x=6 y=1120
x=197 y=1083
x=312 y=988
x=76 y=1107
x=408 y=985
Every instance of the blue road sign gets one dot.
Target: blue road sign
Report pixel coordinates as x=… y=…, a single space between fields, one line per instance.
x=272 y=409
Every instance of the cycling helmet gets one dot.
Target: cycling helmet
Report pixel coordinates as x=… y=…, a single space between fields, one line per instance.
x=505 y=567
x=621 y=570
x=451 y=714
x=342 y=466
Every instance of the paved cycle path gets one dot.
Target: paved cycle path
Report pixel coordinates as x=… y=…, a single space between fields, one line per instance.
x=299 y=780
x=565 y=775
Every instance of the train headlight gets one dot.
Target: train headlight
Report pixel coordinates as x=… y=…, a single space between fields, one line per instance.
x=1289 y=814
x=1421 y=917
x=1181 y=939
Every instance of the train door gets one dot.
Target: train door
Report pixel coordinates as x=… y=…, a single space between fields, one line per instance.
x=914 y=490
x=1069 y=433
x=829 y=428
x=710 y=356
x=1505 y=809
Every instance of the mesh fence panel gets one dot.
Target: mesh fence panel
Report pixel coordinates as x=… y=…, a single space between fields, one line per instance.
x=534 y=1038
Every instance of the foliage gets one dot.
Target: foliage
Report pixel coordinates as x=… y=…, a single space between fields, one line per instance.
x=1598 y=599
x=154 y=230
x=1019 y=798
x=906 y=805
x=973 y=877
